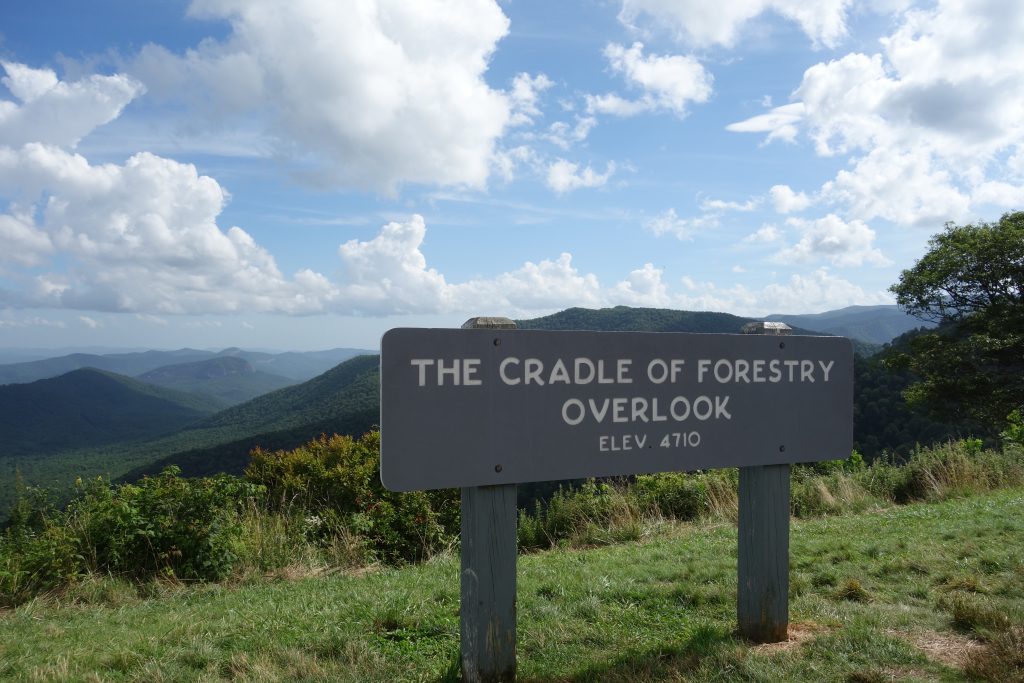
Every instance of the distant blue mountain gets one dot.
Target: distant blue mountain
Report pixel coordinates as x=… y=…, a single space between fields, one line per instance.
x=873 y=324
x=295 y=366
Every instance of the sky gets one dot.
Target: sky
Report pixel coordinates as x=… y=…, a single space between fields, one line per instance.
x=306 y=174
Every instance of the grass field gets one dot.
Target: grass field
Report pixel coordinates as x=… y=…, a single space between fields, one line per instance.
x=924 y=592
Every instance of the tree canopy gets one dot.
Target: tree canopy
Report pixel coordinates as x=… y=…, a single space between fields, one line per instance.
x=971 y=282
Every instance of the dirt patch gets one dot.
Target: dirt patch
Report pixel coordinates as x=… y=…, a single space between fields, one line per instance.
x=799 y=633
x=950 y=649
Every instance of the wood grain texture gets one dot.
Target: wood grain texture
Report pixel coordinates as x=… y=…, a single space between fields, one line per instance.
x=488 y=583
x=763 y=558
x=487 y=624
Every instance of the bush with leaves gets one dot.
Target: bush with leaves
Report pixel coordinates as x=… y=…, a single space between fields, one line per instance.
x=169 y=525
x=166 y=526
x=338 y=479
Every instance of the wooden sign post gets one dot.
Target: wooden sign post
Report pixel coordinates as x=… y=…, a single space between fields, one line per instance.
x=762 y=595
x=487 y=611
x=487 y=407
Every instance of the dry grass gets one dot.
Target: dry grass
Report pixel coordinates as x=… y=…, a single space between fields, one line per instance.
x=950 y=649
x=799 y=634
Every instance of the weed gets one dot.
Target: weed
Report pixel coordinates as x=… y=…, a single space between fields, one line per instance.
x=968 y=583
x=824 y=580
x=852 y=590
x=970 y=614
x=1003 y=660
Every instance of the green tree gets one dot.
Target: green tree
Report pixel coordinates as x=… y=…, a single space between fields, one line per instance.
x=971 y=282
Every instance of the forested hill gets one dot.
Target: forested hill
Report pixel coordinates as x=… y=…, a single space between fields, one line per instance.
x=229 y=379
x=344 y=400
x=295 y=365
x=87 y=408
x=130 y=364
x=627 y=319
x=874 y=324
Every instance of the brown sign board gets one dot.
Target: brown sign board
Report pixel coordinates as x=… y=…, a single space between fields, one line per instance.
x=477 y=407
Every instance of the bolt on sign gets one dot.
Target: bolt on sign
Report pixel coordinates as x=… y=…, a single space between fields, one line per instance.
x=477 y=407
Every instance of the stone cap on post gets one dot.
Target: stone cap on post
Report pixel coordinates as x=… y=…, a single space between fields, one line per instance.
x=490 y=323
x=767 y=327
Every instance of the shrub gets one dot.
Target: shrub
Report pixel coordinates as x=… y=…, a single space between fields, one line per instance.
x=163 y=526
x=166 y=525
x=687 y=496
x=594 y=513
x=1013 y=435
x=337 y=479
x=676 y=495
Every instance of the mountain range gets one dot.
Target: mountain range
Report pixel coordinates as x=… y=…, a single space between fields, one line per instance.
x=92 y=422
x=872 y=324
x=292 y=365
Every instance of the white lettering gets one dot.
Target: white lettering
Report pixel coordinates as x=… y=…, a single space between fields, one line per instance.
x=657 y=371
x=791 y=366
x=511 y=381
x=442 y=371
x=806 y=371
x=580 y=412
x=742 y=370
x=559 y=373
x=655 y=415
x=720 y=403
x=579 y=365
x=826 y=368
x=728 y=375
x=532 y=367
x=622 y=369
x=619 y=409
x=702 y=368
x=679 y=417
x=702 y=408
x=470 y=366
x=422 y=364
x=758 y=371
x=677 y=368
x=639 y=411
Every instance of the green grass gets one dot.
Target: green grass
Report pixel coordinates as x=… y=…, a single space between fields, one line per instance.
x=923 y=592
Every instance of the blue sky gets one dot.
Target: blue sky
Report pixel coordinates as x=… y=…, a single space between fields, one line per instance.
x=304 y=174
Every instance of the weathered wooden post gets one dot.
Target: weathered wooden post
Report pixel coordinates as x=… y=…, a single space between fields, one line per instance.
x=762 y=604
x=488 y=577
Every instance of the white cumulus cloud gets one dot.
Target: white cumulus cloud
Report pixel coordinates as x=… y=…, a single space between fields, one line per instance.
x=785 y=200
x=766 y=234
x=142 y=236
x=669 y=223
x=57 y=112
x=666 y=82
x=931 y=122
x=524 y=94
x=566 y=176
x=642 y=287
x=780 y=123
x=816 y=291
x=834 y=240
x=369 y=94
x=703 y=24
